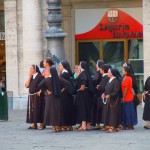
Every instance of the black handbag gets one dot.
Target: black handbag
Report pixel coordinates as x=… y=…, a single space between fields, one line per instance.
x=136 y=100
x=100 y=102
x=72 y=88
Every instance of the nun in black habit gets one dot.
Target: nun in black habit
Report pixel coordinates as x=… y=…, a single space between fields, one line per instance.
x=146 y=113
x=35 y=106
x=84 y=96
x=111 y=98
x=67 y=99
x=53 y=86
x=101 y=107
x=98 y=76
x=96 y=80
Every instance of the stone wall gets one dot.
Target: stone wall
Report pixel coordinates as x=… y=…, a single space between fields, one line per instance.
x=11 y=37
x=26 y=21
x=23 y=44
x=146 y=39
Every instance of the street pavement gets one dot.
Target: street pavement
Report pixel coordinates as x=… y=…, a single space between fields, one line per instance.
x=14 y=135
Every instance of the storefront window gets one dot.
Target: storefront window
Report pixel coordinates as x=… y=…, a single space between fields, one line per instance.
x=135 y=51
x=113 y=54
x=89 y=52
x=2 y=22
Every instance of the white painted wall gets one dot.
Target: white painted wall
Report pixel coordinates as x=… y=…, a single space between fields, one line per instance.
x=87 y=19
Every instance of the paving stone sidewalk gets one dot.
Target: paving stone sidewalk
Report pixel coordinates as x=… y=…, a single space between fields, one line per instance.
x=14 y=135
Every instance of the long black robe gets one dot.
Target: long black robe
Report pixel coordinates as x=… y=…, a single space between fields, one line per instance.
x=146 y=113
x=83 y=99
x=53 y=104
x=67 y=104
x=96 y=80
x=112 y=116
x=101 y=108
x=36 y=104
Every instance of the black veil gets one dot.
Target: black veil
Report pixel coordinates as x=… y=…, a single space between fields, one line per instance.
x=84 y=66
x=55 y=81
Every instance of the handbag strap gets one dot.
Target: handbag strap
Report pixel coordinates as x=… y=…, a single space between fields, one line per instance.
x=133 y=91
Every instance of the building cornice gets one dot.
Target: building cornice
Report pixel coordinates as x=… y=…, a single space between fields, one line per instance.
x=101 y=3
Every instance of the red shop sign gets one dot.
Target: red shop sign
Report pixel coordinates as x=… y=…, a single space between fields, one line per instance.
x=114 y=24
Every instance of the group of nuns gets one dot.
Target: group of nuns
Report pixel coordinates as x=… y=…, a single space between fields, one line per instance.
x=68 y=101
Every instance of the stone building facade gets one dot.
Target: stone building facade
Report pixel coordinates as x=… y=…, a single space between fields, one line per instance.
x=26 y=22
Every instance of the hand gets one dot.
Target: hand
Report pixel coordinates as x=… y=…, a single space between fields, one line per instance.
x=103 y=96
x=39 y=93
x=107 y=97
x=30 y=73
x=145 y=92
x=82 y=88
x=62 y=90
x=97 y=87
x=48 y=92
x=77 y=72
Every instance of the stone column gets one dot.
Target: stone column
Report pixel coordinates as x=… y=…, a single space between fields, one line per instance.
x=55 y=35
x=32 y=35
x=146 y=38
x=44 y=25
x=68 y=27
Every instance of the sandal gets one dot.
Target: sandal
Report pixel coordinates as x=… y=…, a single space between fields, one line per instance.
x=58 y=128
x=63 y=129
x=54 y=130
x=117 y=129
x=110 y=131
x=78 y=127
x=33 y=127
x=81 y=129
x=69 y=129
x=128 y=128
x=104 y=129
x=42 y=127
x=146 y=127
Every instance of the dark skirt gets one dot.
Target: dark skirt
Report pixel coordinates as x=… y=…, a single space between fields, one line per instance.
x=68 y=109
x=43 y=107
x=146 y=113
x=75 y=109
x=99 y=111
x=112 y=114
x=94 y=111
x=84 y=106
x=129 y=116
x=35 y=109
x=103 y=113
x=52 y=111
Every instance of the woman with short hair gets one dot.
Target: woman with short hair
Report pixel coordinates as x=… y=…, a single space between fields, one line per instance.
x=47 y=63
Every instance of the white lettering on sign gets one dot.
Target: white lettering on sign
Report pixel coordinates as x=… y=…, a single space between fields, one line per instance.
x=2 y=35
